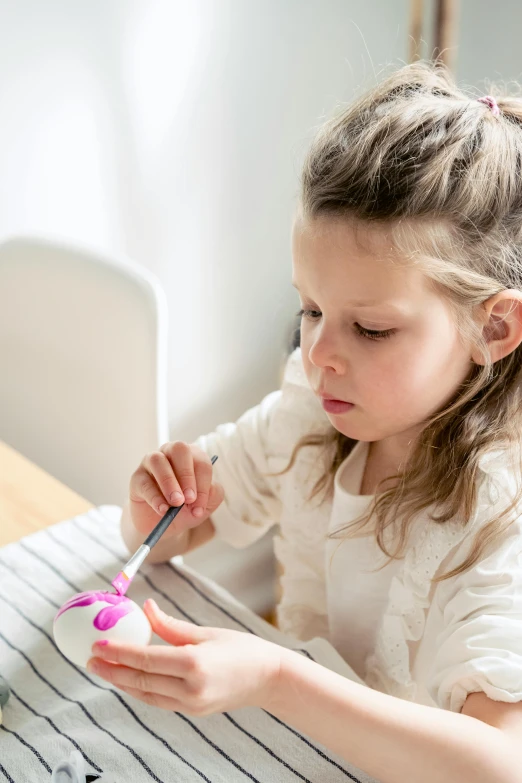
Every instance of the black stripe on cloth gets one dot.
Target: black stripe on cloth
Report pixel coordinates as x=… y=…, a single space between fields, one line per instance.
x=222 y=609
x=102 y=688
x=216 y=747
x=265 y=747
x=52 y=568
x=307 y=742
x=284 y=763
x=6 y=774
x=208 y=599
x=33 y=750
x=103 y=544
x=55 y=727
x=317 y=750
x=83 y=709
x=13 y=572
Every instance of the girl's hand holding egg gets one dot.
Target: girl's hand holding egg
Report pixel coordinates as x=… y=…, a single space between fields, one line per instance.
x=200 y=671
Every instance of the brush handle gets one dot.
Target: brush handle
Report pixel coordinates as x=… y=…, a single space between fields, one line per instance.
x=164 y=522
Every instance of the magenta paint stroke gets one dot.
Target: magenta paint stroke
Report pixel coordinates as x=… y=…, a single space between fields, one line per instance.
x=118 y=607
x=121 y=583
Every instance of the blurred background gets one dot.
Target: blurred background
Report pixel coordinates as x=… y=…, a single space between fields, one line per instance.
x=170 y=134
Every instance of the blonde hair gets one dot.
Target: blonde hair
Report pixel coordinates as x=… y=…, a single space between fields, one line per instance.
x=418 y=152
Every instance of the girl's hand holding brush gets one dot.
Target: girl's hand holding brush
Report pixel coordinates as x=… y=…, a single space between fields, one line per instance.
x=175 y=474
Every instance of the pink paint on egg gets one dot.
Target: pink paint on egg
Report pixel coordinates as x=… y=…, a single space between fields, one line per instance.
x=88 y=617
x=106 y=618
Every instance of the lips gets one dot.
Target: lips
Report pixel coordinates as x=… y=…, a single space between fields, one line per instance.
x=336 y=406
x=325 y=396
x=333 y=404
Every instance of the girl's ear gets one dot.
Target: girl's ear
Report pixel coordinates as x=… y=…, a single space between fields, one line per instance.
x=502 y=325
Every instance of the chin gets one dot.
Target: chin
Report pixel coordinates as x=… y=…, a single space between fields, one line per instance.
x=358 y=430
x=353 y=431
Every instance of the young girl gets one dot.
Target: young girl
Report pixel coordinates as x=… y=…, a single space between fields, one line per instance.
x=389 y=460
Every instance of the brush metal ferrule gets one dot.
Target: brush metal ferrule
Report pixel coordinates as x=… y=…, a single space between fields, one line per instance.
x=135 y=562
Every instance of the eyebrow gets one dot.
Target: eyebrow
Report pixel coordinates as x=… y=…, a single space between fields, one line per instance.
x=363 y=303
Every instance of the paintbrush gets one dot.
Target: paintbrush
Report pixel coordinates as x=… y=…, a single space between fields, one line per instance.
x=128 y=572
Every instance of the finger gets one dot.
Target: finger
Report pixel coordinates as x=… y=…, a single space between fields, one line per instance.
x=154 y=699
x=126 y=677
x=203 y=473
x=158 y=465
x=180 y=457
x=215 y=497
x=176 y=632
x=154 y=659
x=144 y=489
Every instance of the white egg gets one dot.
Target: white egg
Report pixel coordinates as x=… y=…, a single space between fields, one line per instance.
x=88 y=617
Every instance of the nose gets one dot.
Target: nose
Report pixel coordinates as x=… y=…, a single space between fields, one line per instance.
x=325 y=352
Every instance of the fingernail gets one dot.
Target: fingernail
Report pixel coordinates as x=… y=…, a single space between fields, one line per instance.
x=176 y=499
x=92 y=667
x=198 y=512
x=163 y=508
x=190 y=495
x=101 y=643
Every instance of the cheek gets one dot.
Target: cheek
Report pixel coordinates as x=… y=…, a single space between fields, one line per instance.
x=384 y=377
x=424 y=373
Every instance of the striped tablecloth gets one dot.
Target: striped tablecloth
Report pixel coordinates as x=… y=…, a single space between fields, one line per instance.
x=56 y=707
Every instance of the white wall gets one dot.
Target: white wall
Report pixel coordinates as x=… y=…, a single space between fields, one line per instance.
x=172 y=132
x=489 y=42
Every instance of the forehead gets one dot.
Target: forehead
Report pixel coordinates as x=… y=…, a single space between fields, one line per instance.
x=341 y=256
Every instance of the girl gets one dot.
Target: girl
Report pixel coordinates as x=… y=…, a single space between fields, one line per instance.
x=389 y=459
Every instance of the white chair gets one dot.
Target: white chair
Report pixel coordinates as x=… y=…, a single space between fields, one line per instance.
x=83 y=364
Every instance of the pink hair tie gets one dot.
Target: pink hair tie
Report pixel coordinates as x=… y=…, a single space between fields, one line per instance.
x=491 y=103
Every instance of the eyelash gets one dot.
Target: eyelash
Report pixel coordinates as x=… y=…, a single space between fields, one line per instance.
x=369 y=334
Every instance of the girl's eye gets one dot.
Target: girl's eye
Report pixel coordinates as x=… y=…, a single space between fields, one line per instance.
x=374 y=334
x=369 y=334
x=313 y=315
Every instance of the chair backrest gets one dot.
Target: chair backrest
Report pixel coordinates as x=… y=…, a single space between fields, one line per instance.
x=83 y=364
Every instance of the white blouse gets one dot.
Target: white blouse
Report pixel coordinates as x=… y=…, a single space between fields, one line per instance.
x=357 y=592
x=432 y=644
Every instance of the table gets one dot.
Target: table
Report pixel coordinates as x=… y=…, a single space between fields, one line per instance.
x=31 y=499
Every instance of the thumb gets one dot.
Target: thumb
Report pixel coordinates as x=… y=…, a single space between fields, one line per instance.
x=176 y=632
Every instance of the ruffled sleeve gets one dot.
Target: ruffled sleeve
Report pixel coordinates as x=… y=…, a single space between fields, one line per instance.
x=480 y=648
x=249 y=450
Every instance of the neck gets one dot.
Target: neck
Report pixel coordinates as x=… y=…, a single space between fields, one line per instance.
x=393 y=452
x=386 y=458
